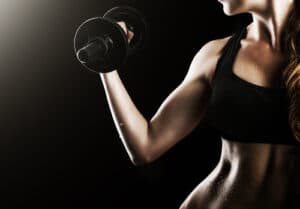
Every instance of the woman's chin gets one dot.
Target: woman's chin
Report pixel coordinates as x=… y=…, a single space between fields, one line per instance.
x=227 y=12
x=229 y=9
x=230 y=12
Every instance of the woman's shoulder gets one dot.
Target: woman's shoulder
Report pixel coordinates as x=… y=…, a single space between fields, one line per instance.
x=215 y=46
x=206 y=58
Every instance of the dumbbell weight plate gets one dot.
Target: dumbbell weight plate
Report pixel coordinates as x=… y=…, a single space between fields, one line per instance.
x=100 y=27
x=135 y=22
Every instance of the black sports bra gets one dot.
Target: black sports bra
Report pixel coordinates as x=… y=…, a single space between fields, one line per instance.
x=241 y=111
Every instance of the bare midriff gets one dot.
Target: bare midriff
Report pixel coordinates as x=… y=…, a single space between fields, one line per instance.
x=250 y=176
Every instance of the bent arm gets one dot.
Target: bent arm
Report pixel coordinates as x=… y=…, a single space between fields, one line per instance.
x=177 y=116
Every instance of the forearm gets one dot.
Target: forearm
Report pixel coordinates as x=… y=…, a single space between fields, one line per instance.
x=130 y=123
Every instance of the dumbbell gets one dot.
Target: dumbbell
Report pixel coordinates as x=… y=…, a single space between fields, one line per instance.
x=100 y=43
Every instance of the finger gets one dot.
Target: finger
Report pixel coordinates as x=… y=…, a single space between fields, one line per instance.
x=130 y=35
x=123 y=26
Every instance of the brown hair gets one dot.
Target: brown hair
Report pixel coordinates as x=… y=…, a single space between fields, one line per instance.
x=291 y=74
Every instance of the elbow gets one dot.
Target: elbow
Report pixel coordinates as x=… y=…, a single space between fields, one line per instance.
x=141 y=160
x=148 y=156
x=138 y=162
x=145 y=154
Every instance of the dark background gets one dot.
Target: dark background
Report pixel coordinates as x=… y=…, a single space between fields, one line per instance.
x=59 y=147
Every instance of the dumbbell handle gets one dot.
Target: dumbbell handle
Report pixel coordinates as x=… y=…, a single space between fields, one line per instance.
x=94 y=50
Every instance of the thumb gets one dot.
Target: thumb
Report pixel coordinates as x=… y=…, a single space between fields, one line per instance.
x=123 y=26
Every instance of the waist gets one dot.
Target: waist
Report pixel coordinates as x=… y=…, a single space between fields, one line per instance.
x=251 y=175
x=261 y=162
x=259 y=173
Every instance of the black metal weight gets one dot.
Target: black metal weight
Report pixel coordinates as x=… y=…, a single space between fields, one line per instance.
x=101 y=44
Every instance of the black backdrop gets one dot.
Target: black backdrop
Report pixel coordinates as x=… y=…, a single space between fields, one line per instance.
x=59 y=147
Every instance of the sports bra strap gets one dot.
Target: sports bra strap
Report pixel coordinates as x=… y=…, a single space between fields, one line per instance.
x=228 y=54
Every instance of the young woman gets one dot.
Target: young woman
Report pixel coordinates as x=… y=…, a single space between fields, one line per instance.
x=248 y=87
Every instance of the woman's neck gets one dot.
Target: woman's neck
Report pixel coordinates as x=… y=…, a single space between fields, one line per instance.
x=269 y=25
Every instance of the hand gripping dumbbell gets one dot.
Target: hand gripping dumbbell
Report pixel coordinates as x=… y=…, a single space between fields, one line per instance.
x=101 y=44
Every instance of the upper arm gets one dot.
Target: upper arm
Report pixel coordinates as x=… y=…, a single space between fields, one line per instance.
x=184 y=108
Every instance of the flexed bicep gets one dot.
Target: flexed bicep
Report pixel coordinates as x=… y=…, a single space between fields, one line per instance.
x=178 y=115
x=184 y=108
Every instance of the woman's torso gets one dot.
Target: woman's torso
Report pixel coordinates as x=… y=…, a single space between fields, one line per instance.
x=251 y=175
